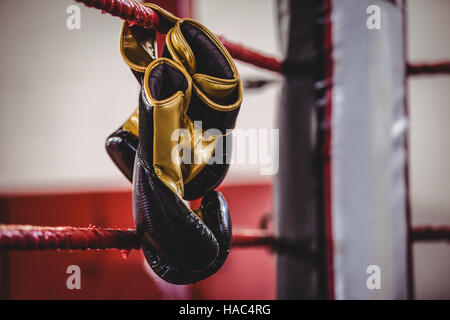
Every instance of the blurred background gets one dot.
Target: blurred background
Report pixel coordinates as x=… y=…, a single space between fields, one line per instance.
x=62 y=92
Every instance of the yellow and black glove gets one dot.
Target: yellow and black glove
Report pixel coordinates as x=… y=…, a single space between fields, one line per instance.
x=180 y=245
x=215 y=103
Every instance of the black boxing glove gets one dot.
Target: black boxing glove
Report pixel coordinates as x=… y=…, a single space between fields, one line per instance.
x=181 y=245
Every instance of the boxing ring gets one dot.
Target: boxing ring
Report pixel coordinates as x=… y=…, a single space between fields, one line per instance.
x=324 y=201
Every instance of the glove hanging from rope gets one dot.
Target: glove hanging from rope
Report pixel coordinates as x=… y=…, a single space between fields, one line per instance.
x=217 y=96
x=180 y=245
x=138 y=50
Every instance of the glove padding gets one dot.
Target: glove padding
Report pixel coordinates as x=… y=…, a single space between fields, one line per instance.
x=180 y=245
x=216 y=99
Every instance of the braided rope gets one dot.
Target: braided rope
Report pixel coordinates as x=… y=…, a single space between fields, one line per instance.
x=140 y=15
x=27 y=237
x=442 y=67
x=430 y=233
x=128 y=10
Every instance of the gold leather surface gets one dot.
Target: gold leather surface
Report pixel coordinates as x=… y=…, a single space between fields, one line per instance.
x=162 y=13
x=211 y=90
x=138 y=48
x=216 y=89
x=202 y=149
x=132 y=123
x=179 y=49
x=138 y=45
x=168 y=116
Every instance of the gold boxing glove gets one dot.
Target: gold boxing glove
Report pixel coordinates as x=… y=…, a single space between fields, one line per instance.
x=215 y=103
x=217 y=96
x=138 y=49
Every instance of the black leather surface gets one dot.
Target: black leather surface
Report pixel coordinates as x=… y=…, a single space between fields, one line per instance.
x=176 y=233
x=211 y=118
x=209 y=60
x=121 y=146
x=212 y=174
x=217 y=218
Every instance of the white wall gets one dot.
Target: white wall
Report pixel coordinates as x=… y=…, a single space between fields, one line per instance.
x=428 y=27
x=251 y=23
x=63 y=91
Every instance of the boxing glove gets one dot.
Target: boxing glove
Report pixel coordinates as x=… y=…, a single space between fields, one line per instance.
x=181 y=245
x=138 y=48
x=217 y=96
x=215 y=103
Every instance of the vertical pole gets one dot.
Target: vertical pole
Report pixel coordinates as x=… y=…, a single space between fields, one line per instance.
x=298 y=185
x=407 y=180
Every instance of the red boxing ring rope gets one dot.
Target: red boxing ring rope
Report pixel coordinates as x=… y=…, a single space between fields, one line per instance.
x=129 y=10
x=27 y=237
x=429 y=68
x=250 y=56
x=138 y=14
x=430 y=233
